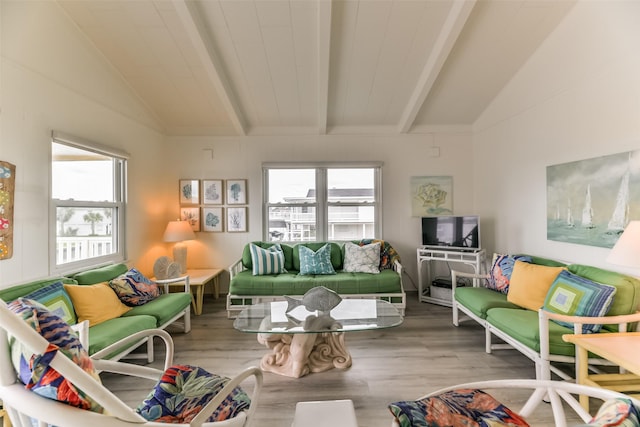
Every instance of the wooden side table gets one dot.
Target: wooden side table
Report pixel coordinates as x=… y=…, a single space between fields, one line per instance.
x=619 y=348
x=198 y=278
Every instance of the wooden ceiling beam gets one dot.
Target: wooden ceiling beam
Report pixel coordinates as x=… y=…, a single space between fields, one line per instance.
x=211 y=62
x=324 y=47
x=451 y=29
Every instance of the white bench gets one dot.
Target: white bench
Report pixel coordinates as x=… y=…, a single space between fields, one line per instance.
x=327 y=413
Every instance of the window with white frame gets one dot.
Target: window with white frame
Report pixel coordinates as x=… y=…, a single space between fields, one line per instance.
x=87 y=204
x=319 y=202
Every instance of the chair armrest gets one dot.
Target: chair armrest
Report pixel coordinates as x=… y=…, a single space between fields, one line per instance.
x=397 y=267
x=477 y=279
x=166 y=282
x=109 y=365
x=621 y=320
x=82 y=329
x=235 y=268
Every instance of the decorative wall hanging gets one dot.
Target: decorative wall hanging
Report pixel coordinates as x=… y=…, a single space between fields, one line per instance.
x=236 y=191
x=212 y=191
x=7 y=190
x=590 y=202
x=189 y=192
x=236 y=219
x=431 y=195
x=192 y=216
x=212 y=219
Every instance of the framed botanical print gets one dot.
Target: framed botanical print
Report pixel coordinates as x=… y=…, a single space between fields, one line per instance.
x=189 y=192
x=192 y=216
x=236 y=219
x=212 y=219
x=212 y=192
x=236 y=191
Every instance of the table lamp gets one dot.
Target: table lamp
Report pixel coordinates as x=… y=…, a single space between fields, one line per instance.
x=626 y=251
x=179 y=231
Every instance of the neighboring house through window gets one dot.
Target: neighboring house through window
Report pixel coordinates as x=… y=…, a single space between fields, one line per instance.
x=87 y=204
x=318 y=202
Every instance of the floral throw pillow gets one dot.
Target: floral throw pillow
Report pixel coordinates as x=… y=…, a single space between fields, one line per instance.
x=133 y=288
x=388 y=255
x=184 y=390
x=362 y=259
x=34 y=370
x=616 y=412
x=501 y=269
x=464 y=407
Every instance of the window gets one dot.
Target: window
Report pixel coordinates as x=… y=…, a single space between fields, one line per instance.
x=321 y=202
x=88 y=204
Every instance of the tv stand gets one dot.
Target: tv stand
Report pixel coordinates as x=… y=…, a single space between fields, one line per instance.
x=442 y=296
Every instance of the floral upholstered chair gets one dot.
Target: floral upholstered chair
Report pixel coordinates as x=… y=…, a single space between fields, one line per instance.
x=48 y=379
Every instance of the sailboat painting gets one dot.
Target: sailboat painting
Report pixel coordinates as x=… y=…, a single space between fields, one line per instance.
x=598 y=196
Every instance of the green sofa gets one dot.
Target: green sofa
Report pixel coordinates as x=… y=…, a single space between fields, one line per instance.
x=246 y=289
x=531 y=332
x=159 y=313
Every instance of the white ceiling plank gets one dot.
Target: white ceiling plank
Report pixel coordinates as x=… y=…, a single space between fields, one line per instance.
x=324 y=48
x=451 y=29
x=203 y=45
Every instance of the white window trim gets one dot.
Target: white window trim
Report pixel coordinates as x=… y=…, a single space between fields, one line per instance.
x=322 y=204
x=120 y=180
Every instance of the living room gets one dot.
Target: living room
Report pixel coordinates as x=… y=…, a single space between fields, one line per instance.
x=574 y=97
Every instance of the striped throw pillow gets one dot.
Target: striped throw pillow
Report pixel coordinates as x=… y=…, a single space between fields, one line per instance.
x=267 y=260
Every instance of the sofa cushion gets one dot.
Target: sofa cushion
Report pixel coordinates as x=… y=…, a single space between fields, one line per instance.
x=133 y=288
x=501 y=269
x=95 y=303
x=523 y=326
x=291 y=283
x=316 y=262
x=480 y=300
x=99 y=275
x=286 y=249
x=388 y=254
x=362 y=259
x=616 y=412
x=57 y=300
x=267 y=260
x=163 y=308
x=530 y=283
x=576 y=296
x=108 y=332
x=17 y=291
x=35 y=370
x=336 y=253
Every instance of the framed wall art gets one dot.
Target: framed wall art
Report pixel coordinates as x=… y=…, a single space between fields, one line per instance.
x=236 y=190
x=236 y=219
x=212 y=219
x=192 y=216
x=431 y=195
x=189 y=192
x=212 y=191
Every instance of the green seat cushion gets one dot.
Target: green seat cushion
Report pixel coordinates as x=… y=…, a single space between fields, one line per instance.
x=244 y=283
x=522 y=325
x=480 y=300
x=102 y=274
x=14 y=292
x=108 y=332
x=163 y=308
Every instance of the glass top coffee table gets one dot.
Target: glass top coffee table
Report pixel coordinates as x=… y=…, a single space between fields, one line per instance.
x=303 y=341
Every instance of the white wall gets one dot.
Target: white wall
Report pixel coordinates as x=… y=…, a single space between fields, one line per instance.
x=52 y=79
x=403 y=157
x=578 y=97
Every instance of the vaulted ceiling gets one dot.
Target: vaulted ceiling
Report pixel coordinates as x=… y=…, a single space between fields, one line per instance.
x=281 y=67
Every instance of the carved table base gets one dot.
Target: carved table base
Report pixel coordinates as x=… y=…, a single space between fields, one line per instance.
x=296 y=355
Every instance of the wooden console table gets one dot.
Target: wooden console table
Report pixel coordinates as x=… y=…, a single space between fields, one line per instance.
x=621 y=348
x=198 y=278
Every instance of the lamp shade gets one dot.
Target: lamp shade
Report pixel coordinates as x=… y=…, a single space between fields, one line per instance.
x=178 y=231
x=626 y=251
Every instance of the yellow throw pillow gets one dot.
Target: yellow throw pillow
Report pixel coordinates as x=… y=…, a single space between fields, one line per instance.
x=96 y=303
x=530 y=283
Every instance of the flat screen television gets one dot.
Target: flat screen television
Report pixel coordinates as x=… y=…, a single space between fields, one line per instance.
x=454 y=232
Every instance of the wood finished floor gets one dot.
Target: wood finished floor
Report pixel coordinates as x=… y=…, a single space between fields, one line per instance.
x=423 y=354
